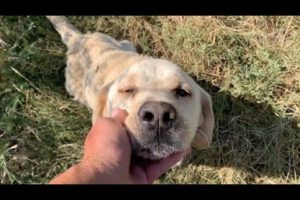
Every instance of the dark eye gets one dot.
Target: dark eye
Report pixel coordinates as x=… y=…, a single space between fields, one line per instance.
x=130 y=90
x=127 y=90
x=181 y=92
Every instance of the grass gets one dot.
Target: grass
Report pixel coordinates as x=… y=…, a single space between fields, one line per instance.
x=250 y=66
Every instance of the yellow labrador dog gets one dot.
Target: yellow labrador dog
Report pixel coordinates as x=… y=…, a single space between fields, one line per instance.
x=167 y=110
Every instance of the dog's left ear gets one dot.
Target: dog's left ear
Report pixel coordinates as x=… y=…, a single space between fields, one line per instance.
x=101 y=107
x=205 y=129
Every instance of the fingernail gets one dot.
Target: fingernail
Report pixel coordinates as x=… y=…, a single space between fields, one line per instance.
x=115 y=112
x=118 y=111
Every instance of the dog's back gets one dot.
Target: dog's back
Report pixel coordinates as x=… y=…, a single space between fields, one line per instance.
x=105 y=74
x=93 y=60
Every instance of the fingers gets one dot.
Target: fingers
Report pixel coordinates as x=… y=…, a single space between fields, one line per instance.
x=137 y=174
x=156 y=169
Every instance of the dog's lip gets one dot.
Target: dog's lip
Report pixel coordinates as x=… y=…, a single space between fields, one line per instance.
x=148 y=150
x=145 y=161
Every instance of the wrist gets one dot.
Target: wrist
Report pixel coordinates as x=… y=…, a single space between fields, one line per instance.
x=80 y=173
x=104 y=172
x=89 y=174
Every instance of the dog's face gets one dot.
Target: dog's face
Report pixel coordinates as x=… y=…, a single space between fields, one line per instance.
x=165 y=107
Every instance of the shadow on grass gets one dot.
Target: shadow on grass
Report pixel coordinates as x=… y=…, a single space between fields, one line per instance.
x=249 y=136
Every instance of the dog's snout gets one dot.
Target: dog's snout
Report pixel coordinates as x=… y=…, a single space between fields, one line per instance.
x=157 y=115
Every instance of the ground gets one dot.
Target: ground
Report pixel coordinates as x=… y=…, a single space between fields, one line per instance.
x=250 y=66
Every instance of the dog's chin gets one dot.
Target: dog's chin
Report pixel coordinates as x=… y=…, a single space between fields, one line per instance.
x=152 y=149
x=155 y=152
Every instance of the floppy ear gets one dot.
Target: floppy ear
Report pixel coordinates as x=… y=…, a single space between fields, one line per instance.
x=101 y=109
x=205 y=129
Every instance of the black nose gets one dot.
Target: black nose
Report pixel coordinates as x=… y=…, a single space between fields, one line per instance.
x=157 y=115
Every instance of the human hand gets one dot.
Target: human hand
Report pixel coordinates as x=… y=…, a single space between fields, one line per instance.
x=107 y=157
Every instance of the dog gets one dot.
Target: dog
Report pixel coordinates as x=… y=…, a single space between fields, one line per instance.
x=167 y=110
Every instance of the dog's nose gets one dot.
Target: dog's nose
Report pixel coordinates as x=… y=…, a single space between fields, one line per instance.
x=157 y=115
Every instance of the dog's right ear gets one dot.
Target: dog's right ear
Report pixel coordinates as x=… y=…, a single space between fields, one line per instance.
x=101 y=109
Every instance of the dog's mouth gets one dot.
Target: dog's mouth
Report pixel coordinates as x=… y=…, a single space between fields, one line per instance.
x=154 y=150
x=156 y=146
x=149 y=157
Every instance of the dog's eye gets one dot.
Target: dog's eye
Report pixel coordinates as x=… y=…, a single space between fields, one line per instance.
x=181 y=92
x=127 y=90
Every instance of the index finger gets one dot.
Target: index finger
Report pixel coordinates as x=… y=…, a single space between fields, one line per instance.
x=156 y=169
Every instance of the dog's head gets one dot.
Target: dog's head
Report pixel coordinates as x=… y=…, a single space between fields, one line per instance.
x=166 y=108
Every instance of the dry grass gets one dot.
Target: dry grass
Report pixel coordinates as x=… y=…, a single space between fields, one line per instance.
x=250 y=66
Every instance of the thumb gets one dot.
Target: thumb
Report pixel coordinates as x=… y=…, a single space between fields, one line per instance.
x=119 y=115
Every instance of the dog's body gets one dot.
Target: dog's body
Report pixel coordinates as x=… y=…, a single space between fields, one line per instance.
x=167 y=110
